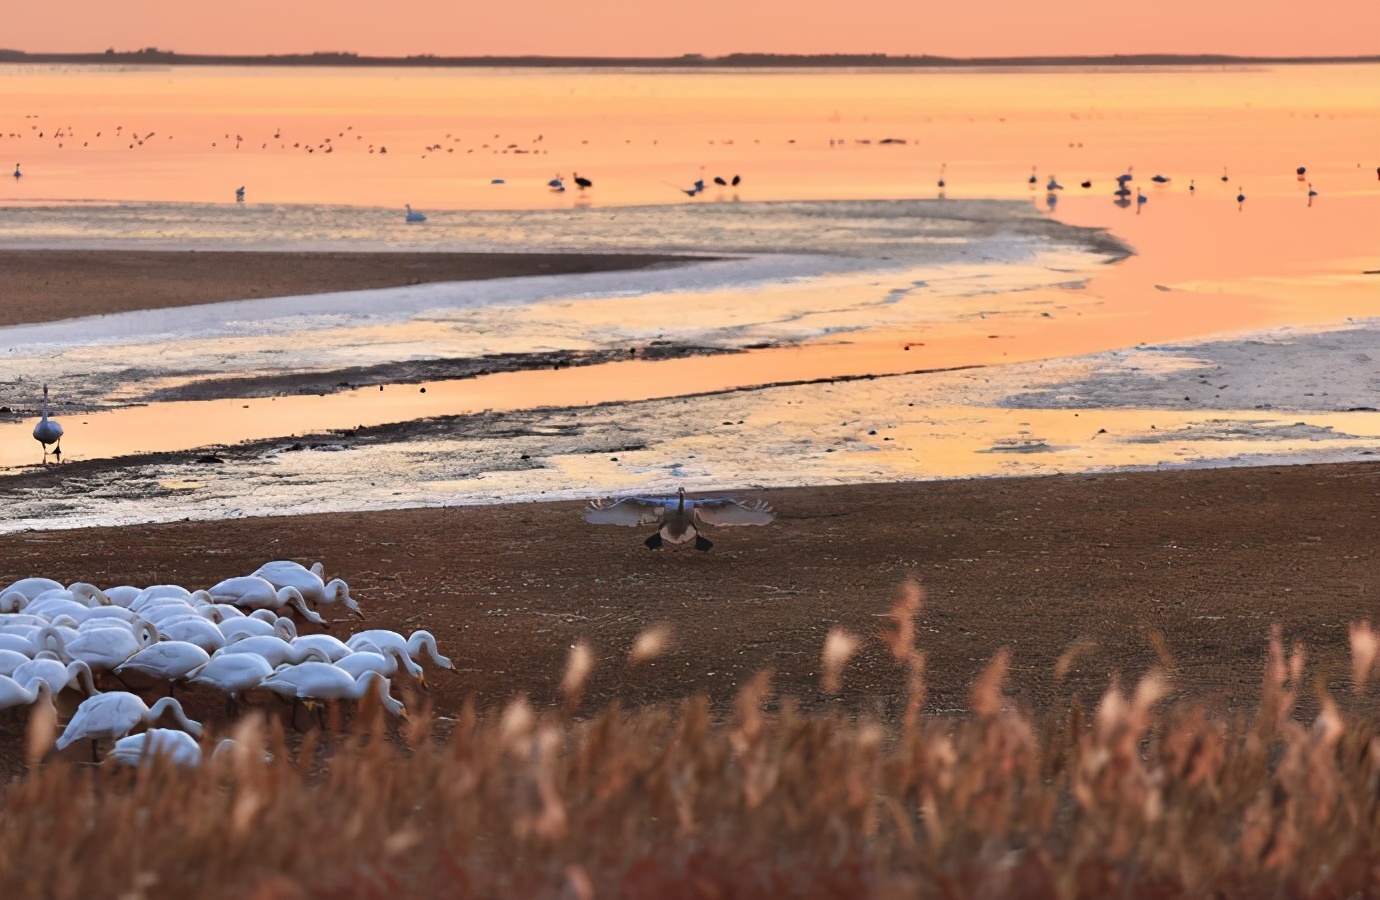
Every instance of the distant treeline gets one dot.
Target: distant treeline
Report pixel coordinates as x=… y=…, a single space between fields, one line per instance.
x=154 y=56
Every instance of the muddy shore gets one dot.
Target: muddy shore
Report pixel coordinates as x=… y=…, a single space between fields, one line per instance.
x=49 y=285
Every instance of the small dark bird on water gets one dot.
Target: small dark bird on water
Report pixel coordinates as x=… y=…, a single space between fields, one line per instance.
x=719 y=180
x=582 y=183
x=1086 y=184
x=737 y=180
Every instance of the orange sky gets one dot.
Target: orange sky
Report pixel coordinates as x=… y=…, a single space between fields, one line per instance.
x=712 y=27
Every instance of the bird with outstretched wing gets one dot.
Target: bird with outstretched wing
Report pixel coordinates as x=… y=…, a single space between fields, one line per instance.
x=680 y=520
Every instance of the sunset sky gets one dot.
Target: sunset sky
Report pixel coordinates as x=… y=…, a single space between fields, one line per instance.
x=711 y=27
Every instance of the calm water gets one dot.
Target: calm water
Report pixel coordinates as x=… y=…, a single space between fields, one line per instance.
x=194 y=134
x=850 y=261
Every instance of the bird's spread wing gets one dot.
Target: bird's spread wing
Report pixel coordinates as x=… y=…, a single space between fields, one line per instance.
x=733 y=512
x=630 y=511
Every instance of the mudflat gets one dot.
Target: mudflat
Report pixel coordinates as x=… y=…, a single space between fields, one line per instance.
x=49 y=285
x=1182 y=569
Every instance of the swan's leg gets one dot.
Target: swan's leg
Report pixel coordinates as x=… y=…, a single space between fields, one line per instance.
x=703 y=543
x=653 y=542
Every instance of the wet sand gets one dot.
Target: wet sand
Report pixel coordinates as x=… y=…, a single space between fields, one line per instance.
x=50 y=285
x=1207 y=559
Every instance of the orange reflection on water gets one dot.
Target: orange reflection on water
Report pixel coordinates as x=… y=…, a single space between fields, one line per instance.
x=642 y=135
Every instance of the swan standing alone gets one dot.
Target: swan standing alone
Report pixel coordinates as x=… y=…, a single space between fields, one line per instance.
x=681 y=520
x=48 y=431
x=414 y=216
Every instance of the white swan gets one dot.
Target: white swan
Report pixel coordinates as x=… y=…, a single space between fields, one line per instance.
x=48 y=431
x=333 y=647
x=58 y=677
x=122 y=595
x=106 y=648
x=194 y=630
x=385 y=661
x=161 y=591
x=178 y=747
x=32 y=587
x=11 y=660
x=414 y=216
x=233 y=673
x=250 y=626
x=51 y=637
x=80 y=591
x=680 y=519
x=382 y=639
x=323 y=681
x=115 y=715
x=166 y=660
x=21 y=623
x=256 y=592
x=14 y=693
x=286 y=573
x=272 y=648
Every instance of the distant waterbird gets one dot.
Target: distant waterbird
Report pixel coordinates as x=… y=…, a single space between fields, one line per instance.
x=1300 y=172
x=17 y=173
x=1224 y=173
x=1032 y=180
x=943 y=167
x=1054 y=184
x=680 y=520
x=582 y=183
x=414 y=216
x=1086 y=183
x=1192 y=188
x=1160 y=179
x=1124 y=177
x=720 y=181
x=48 y=431
x=239 y=194
x=737 y=180
x=1240 y=195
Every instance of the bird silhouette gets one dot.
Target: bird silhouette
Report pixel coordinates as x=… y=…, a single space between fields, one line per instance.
x=582 y=183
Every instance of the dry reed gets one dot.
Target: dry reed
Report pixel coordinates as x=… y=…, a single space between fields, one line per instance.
x=1142 y=799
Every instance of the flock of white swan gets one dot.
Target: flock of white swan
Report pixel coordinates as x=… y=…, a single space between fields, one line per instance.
x=236 y=636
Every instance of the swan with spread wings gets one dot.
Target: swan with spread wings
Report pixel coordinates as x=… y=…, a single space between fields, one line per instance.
x=681 y=520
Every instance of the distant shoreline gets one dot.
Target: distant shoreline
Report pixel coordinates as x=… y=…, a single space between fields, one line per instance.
x=152 y=56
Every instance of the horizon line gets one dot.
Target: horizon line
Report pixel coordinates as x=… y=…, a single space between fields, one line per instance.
x=687 y=60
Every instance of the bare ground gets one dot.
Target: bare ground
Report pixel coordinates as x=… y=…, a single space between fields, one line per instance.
x=1205 y=560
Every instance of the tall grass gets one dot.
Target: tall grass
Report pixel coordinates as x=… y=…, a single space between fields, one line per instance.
x=1134 y=798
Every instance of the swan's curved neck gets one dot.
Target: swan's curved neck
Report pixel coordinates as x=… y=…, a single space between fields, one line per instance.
x=376 y=681
x=425 y=639
x=170 y=704
x=82 y=672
